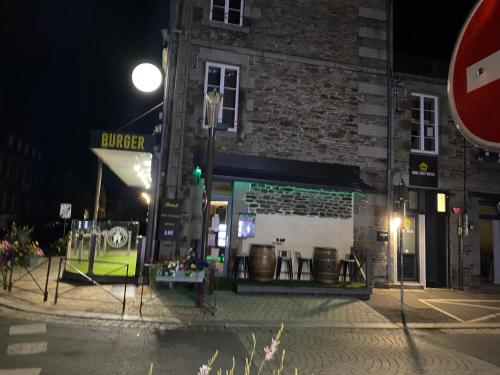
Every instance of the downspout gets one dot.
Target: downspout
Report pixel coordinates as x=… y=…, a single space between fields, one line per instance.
x=390 y=138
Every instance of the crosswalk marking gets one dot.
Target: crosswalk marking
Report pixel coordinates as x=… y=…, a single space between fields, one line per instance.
x=27 y=329
x=27 y=348
x=21 y=371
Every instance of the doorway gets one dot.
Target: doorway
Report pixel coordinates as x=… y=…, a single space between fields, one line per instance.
x=219 y=232
x=489 y=242
x=410 y=250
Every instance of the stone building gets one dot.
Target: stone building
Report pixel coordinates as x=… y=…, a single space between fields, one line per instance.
x=309 y=147
x=464 y=176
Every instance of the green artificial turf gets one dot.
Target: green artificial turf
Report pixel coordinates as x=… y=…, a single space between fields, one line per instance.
x=108 y=269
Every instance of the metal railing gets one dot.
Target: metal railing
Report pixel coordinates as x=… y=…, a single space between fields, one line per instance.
x=27 y=270
x=89 y=278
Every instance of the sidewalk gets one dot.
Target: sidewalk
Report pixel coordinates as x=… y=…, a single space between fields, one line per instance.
x=424 y=309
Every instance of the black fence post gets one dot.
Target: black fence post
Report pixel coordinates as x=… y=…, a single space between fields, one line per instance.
x=125 y=292
x=367 y=265
x=9 y=288
x=58 y=276
x=46 y=293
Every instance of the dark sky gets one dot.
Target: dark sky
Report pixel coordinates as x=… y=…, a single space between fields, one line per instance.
x=66 y=68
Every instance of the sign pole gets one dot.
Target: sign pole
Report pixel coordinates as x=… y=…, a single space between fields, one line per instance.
x=402 y=230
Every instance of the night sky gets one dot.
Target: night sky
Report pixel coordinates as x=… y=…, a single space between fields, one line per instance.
x=66 y=68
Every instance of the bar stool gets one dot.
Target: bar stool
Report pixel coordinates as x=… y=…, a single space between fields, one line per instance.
x=347 y=265
x=241 y=259
x=284 y=256
x=301 y=261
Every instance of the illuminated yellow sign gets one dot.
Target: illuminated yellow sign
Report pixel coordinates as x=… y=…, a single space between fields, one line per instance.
x=122 y=141
x=407 y=223
x=423 y=167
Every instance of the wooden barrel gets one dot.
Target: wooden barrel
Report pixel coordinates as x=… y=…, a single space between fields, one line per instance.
x=326 y=268
x=262 y=262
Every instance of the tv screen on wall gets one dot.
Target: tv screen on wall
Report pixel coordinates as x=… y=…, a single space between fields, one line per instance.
x=246 y=225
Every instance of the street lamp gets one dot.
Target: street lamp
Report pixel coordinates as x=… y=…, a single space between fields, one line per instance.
x=400 y=224
x=147 y=78
x=213 y=101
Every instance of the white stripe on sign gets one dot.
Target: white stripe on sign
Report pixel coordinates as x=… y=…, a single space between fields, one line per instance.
x=21 y=371
x=27 y=329
x=27 y=348
x=483 y=72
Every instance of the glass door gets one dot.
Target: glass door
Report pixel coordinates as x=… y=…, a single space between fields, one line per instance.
x=218 y=234
x=409 y=250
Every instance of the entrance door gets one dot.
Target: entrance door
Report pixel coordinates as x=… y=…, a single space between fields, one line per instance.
x=410 y=251
x=436 y=245
x=218 y=235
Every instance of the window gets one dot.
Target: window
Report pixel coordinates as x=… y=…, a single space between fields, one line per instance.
x=227 y=11
x=424 y=124
x=226 y=80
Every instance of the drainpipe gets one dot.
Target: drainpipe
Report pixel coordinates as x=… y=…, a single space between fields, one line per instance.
x=390 y=137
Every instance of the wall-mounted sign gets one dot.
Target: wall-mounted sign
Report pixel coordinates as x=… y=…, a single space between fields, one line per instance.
x=65 y=211
x=121 y=141
x=117 y=237
x=382 y=236
x=170 y=214
x=423 y=170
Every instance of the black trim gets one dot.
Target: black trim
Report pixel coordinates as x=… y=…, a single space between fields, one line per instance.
x=285 y=171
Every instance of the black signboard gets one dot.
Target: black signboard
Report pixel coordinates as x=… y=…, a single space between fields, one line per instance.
x=423 y=170
x=170 y=214
x=382 y=236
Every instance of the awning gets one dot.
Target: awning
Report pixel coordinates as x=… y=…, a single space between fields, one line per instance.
x=128 y=155
x=284 y=171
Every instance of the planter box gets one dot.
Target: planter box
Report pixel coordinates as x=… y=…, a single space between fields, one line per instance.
x=181 y=277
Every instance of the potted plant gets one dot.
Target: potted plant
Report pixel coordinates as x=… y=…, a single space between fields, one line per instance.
x=17 y=248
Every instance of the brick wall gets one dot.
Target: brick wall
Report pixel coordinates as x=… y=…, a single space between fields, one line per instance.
x=288 y=200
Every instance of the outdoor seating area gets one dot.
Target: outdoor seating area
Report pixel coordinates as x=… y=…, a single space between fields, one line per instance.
x=263 y=263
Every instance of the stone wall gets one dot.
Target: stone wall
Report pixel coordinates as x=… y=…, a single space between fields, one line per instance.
x=312 y=88
x=289 y=200
x=480 y=176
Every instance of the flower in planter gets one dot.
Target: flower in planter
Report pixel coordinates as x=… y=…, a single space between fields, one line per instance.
x=17 y=247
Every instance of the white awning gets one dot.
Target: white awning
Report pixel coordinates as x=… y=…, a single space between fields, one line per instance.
x=133 y=168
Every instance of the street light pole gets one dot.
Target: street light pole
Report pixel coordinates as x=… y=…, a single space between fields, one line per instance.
x=213 y=102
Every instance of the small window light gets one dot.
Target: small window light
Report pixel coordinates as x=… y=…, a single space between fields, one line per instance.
x=441 y=202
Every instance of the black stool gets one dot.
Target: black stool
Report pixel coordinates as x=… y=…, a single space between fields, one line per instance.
x=348 y=265
x=240 y=259
x=301 y=261
x=284 y=256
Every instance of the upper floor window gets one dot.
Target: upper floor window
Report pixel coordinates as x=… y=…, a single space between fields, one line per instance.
x=226 y=80
x=424 y=124
x=227 y=11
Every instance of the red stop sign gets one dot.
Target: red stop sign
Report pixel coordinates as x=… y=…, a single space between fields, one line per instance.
x=474 y=77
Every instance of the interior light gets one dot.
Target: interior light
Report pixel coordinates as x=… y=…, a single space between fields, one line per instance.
x=441 y=202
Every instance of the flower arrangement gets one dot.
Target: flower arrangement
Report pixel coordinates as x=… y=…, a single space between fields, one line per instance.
x=188 y=263
x=16 y=248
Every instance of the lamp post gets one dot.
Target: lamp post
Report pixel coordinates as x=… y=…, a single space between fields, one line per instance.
x=148 y=78
x=402 y=198
x=213 y=102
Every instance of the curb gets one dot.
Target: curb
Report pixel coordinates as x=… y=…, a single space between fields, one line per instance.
x=177 y=323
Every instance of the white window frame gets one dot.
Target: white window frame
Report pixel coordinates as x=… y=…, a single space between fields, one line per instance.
x=421 y=149
x=223 y=68
x=226 y=13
